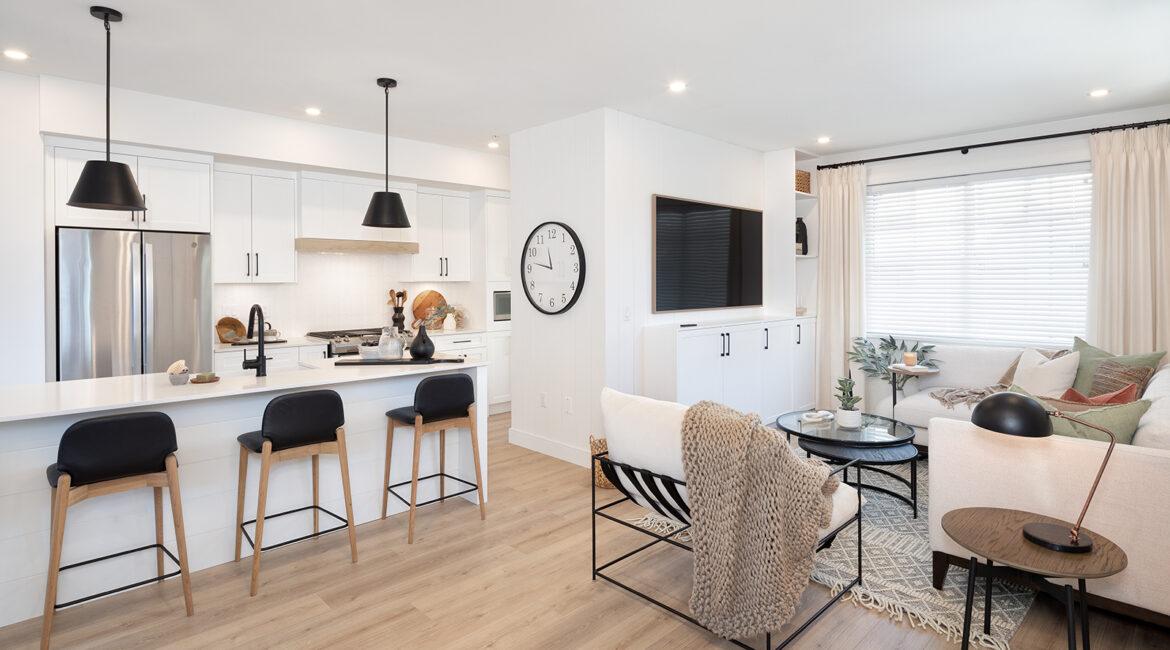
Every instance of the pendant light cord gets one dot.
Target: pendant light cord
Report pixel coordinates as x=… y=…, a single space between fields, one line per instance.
x=387 y=89
x=107 y=23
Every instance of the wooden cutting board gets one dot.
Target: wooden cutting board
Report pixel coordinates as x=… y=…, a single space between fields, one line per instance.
x=424 y=301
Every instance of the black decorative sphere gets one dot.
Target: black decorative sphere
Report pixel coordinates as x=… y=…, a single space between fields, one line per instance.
x=422 y=347
x=1012 y=414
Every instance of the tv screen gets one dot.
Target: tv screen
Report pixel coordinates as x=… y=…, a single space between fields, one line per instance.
x=706 y=256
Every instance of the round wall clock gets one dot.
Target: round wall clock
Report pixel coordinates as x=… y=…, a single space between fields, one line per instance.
x=553 y=267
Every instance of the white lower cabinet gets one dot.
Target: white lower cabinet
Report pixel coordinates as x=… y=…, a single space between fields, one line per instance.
x=461 y=344
x=804 y=346
x=499 y=356
x=753 y=367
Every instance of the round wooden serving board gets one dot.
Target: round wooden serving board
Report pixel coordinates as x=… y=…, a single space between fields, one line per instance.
x=424 y=301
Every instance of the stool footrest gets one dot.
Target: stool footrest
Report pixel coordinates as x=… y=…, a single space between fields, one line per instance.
x=343 y=526
x=124 y=588
x=473 y=487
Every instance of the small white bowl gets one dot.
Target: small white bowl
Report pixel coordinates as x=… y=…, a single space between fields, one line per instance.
x=368 y=351
x=179 y=380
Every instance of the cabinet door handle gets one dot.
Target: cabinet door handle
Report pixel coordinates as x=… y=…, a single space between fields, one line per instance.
x=248 y=265
x=440 y=267
x=729 y=344
x=798 y=333
x=257 y=264
x=766 y=338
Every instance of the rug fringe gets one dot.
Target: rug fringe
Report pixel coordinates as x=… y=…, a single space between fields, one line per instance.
x=899 y=612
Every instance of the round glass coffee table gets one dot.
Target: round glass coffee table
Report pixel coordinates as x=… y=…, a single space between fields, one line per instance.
x=879 y=441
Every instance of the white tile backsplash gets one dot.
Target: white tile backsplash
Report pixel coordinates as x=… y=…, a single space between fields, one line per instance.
x=338 y=290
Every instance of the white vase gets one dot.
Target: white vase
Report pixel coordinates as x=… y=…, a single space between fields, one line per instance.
x=849 y=419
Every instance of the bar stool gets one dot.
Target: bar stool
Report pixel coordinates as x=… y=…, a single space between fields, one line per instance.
x=106 y=455
x=294 y=426
x=440 y=403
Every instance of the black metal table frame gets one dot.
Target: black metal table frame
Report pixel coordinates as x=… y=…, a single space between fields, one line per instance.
x=912 y=484
x=1064 y=594
x=655 y=488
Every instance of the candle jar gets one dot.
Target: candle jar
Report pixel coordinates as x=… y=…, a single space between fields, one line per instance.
x=910 y=358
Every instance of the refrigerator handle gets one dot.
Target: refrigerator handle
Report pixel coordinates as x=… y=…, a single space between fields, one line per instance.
x=136 y=306
x=144 y=209
x=148 y=305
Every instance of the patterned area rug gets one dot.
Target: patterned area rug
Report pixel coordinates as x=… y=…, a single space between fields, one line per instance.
x=897 y=569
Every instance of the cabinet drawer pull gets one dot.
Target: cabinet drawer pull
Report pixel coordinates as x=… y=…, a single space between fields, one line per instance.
x=766 y=338
x=798 y=333
x=248 y=264
x=457 y=342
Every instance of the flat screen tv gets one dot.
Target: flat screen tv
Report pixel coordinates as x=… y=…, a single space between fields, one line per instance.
x=706 y=256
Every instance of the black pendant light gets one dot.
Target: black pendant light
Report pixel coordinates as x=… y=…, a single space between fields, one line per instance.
x=105 y=184
x=386 y=210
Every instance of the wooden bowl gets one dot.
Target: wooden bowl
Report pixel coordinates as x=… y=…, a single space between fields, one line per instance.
x=229 y=324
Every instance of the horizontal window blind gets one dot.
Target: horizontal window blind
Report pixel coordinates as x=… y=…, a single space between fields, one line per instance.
x=997 y=258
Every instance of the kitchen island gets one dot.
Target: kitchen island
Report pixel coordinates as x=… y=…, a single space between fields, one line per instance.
x=207 y=419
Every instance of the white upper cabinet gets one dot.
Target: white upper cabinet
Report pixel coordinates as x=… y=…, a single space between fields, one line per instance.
x=499 y=257
x=177 y=192
x=333 y=207
x=255 y=226
x=442 y=224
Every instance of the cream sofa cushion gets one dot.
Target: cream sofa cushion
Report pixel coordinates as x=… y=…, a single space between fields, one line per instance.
x=1154 y=427
x=1046 y=377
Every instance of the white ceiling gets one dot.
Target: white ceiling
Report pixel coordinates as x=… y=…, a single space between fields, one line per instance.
x=764 y=74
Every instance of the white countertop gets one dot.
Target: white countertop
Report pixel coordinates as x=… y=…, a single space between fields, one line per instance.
x=50 y=399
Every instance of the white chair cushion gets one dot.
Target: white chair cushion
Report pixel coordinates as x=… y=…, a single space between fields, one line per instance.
x=1046 y=377
x=647 y=433
x=1154 y=427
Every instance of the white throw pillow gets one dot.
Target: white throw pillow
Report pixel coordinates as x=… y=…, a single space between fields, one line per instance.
x=1046 y=377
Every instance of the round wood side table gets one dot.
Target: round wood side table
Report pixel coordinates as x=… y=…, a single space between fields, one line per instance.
x=997 y=535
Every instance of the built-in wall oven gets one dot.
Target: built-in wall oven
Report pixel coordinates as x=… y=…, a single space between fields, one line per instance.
x=501 y=305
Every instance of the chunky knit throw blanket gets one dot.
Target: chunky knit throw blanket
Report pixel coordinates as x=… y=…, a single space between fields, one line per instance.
x=756 y=509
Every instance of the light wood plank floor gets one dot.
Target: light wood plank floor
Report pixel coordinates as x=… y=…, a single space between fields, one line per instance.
x=518 y=580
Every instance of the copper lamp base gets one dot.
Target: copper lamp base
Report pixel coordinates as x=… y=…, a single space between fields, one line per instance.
x=1056 y=538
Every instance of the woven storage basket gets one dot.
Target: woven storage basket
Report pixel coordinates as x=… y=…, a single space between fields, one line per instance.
x=597 y=446
x=803 y=181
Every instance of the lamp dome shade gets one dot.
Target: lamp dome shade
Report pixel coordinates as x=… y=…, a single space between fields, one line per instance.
x=386 y=211
x=106 y=185
x=1012 y=414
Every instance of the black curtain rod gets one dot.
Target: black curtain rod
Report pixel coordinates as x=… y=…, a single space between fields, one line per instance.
x=969 y=147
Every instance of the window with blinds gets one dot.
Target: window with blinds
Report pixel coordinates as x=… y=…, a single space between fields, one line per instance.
x=998 y=258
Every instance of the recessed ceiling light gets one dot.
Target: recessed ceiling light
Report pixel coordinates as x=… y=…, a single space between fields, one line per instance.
x=1100 y=92
x=678 y=86
x=824 y=139
x=16 y=54
x=495 y=143
x=313 y=110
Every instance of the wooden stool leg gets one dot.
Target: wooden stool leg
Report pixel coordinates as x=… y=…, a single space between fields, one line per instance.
x=442 y=464
x=414 y=476
x=180 y=535
x=475 y=454
x=158 y=527
x=344 y=458
x=56 y=536
x=316 y=493
x=389 y=448
x=265 y=465
x=240 y=499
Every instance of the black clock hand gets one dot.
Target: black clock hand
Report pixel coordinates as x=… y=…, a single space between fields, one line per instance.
x=549 y=267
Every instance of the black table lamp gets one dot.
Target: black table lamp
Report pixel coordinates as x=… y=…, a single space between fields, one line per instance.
x=1019 y=415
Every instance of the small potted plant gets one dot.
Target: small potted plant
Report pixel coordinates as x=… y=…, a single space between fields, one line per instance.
x=847 y=416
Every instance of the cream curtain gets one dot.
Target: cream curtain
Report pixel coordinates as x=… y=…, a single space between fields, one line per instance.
x=841 y=212
x=1129 y=307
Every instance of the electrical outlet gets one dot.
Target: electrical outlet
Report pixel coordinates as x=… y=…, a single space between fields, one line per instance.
x=568 y=405
x=544 y=400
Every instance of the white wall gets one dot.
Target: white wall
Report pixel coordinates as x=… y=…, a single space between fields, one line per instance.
x=558 y=174
x=22 y=284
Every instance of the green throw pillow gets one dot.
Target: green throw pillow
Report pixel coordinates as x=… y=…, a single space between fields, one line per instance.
x=1121 y=419
x=1092 y=356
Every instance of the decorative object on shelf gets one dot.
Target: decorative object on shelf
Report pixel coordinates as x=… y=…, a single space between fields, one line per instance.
x=368 y=350
x=205 y=378
x=106 y=184
x=816 y=417
x=1014 y=414
x=436 y=317
x=386 y=209
x=390 y=344
x=848 y=416
x=422 y=347
x=230 y=329
x=425 y=300
x=599 y=446
x=177 y=372
x=875 y=361
x=397 y=301
x=801 y=237
x=803 y=181
x=459 y=316
x=553 y=268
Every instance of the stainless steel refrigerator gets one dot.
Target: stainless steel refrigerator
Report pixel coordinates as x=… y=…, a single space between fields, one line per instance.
x=132 y=302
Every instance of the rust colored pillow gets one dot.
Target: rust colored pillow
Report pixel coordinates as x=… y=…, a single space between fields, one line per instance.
x=1120 y=396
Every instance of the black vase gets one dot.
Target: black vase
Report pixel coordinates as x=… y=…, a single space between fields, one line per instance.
x=802 y=235
x=399 y=319
x=422 y=347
